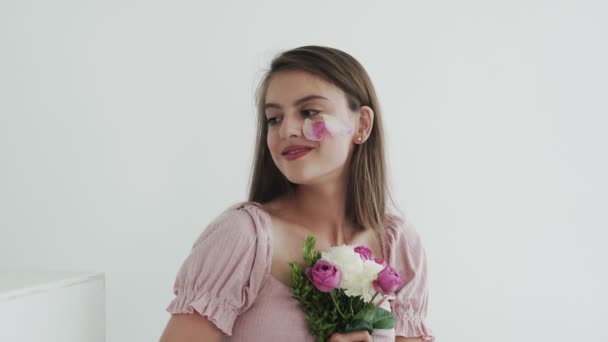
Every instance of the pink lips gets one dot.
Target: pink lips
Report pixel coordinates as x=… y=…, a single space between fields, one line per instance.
x=295 y=152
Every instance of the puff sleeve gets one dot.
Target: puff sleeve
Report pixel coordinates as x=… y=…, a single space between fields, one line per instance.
x=408 y=257
x=224 y=271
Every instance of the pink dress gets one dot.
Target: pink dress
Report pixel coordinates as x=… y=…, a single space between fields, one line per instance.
x=227 y=278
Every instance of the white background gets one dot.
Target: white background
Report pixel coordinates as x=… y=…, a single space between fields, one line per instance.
x=126 y=126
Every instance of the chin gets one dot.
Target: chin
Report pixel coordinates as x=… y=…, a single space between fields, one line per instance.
x=299 y=179
x=301 y=176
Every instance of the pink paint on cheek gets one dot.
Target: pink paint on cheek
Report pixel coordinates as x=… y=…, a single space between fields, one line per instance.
x=318 y=128
x=337 y=127
x=314 y=130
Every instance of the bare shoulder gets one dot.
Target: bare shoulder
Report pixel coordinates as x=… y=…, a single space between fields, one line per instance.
x=275 y=206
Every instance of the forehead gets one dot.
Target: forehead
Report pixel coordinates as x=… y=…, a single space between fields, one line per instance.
x=285 y=86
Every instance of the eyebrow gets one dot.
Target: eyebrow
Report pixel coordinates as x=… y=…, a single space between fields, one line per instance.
x=297 y=102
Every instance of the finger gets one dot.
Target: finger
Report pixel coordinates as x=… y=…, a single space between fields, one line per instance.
x=336 y=337
x=360 y=335
x=355 y=336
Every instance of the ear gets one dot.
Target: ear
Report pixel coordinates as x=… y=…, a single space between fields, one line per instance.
x=365 y=125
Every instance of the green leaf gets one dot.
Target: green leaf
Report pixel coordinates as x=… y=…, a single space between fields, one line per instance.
x=328 y=326
x=382 y=319
x=309 y=253
x=358 y=324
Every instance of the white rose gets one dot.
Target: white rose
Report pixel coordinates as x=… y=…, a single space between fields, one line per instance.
x=356 y=274
x=361 y=283
x=346 y=260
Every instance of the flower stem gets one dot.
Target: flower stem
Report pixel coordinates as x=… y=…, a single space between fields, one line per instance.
x=371 y=302
x=331 y=294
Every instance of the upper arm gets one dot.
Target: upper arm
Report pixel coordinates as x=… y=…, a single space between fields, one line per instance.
x=221 y=277
x=190 y=328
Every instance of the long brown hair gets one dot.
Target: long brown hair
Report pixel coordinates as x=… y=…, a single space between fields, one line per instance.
x=367 y=189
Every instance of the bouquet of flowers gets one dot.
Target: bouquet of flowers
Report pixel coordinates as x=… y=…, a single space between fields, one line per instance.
x=337 y=289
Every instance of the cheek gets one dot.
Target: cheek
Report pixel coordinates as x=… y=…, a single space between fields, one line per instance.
x=272 y=141
x=334 y=150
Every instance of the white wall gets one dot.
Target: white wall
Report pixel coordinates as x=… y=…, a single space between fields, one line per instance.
x=126 y=126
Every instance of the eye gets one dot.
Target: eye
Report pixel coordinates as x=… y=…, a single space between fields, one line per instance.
x=310 y=110
x=271 y=121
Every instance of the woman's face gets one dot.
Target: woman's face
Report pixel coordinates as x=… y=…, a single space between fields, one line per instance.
x=291 y=98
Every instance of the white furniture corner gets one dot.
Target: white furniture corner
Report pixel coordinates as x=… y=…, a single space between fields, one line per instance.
x=52 y=306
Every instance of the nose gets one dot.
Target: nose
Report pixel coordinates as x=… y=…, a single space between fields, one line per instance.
x=290 y=127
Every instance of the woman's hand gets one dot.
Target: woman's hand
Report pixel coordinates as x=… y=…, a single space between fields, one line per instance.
x=353 y=336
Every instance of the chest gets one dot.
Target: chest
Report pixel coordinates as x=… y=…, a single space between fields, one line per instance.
x=288 y=239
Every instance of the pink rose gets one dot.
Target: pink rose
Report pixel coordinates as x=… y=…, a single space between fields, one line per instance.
x=364 y=252
x=380 y=261
x=388 y=281
x=324 y=275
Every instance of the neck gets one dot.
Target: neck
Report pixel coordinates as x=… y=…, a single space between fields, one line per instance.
x=323 y=209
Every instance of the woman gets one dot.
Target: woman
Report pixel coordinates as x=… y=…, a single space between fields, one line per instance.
x=320 y=170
